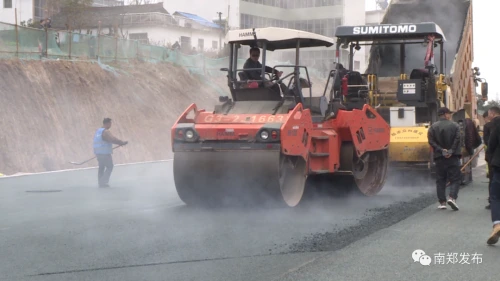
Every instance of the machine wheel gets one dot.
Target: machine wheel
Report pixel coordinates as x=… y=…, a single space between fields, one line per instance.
x=239 y=178
x=187 y=191
x=369 y=172
x=292 y=179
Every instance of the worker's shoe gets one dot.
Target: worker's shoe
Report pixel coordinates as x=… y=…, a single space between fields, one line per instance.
x=104 y=185
x=495 y=234
x=442 y=206
x=453 y=204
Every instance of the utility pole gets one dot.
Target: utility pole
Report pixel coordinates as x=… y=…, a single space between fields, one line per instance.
x=220 y=34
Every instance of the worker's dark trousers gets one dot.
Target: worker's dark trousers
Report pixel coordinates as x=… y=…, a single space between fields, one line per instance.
x=105 y=168
x=490 y=177
x=448 y=170
x=495 y=195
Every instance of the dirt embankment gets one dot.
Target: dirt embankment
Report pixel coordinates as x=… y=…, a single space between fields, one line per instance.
x=50 y=110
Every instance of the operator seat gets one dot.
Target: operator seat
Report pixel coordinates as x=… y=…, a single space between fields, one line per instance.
x=255 y=90
x=243 y=76
x=354 y=78
x=418 y=73
x=356 y=96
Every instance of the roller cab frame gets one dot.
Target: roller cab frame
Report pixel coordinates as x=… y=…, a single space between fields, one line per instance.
x=409 y=103
x=267 y=138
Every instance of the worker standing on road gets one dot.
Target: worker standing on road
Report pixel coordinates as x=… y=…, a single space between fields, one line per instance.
x=444 y=137
x=486 y=137
x=493 y=154
x=103 y=141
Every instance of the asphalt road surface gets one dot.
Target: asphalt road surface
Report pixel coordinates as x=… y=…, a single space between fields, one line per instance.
x=60 y=226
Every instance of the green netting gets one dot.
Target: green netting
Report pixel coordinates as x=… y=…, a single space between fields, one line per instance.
x=8 y=40
x=107 y=48
x=26 y=42
x=126 y=49
x=77 y=45
x=33 y=43
x=151 y=53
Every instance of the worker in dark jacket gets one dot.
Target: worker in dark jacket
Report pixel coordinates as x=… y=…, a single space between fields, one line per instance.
x=486 y=137
x=103 y=141
x=253 y=62
x=444 y=137
x=493 y=154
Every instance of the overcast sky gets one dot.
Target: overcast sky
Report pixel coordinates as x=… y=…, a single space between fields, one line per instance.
x=486 y=56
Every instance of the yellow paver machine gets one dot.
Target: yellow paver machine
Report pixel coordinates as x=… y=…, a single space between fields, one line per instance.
x=408 y=97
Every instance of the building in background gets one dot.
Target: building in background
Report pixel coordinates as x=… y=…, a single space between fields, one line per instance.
x=36 y=10
x=24 y=8
x=149 y=24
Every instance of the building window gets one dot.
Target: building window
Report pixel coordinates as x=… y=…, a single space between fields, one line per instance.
x=39 y=11
x=141 y=37
x=201 y=44
x=185 y=43
x=357 y=65
x=214 y=44
x=7 y=4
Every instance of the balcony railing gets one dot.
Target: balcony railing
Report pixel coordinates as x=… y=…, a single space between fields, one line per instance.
x=162 y=19
x=107 y=3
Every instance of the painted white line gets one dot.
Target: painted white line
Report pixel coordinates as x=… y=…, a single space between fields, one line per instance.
x=150 y=209
x=79 y=169
x=126 y=164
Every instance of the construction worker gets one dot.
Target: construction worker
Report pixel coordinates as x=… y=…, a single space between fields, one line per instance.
x=493 y=154
x=103 y=140
x=253 y=62
x=486 y=136
x=444 y=137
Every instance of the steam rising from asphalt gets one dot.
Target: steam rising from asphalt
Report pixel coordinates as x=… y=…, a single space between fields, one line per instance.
x=140 y=220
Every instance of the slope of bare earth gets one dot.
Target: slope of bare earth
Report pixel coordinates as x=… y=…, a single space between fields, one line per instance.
x=49 y=110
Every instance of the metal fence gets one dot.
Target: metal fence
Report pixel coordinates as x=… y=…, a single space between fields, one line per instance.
x=32 y=43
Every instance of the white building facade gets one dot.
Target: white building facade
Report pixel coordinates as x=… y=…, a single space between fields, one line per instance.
x=37 y=9
x=162 y=29
x=150 y=24
x=25 y=10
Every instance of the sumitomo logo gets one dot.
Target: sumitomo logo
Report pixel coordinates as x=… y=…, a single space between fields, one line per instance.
x=245 y=34
x=384 y=29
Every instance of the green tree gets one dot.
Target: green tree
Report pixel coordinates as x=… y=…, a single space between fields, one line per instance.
x=492 y=103
x=28 y=23
x=483 y=106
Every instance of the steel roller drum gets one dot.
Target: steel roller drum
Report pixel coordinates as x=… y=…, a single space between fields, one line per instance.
x=249 y=177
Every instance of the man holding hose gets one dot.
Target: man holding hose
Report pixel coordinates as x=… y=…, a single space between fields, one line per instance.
x=103 y=150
